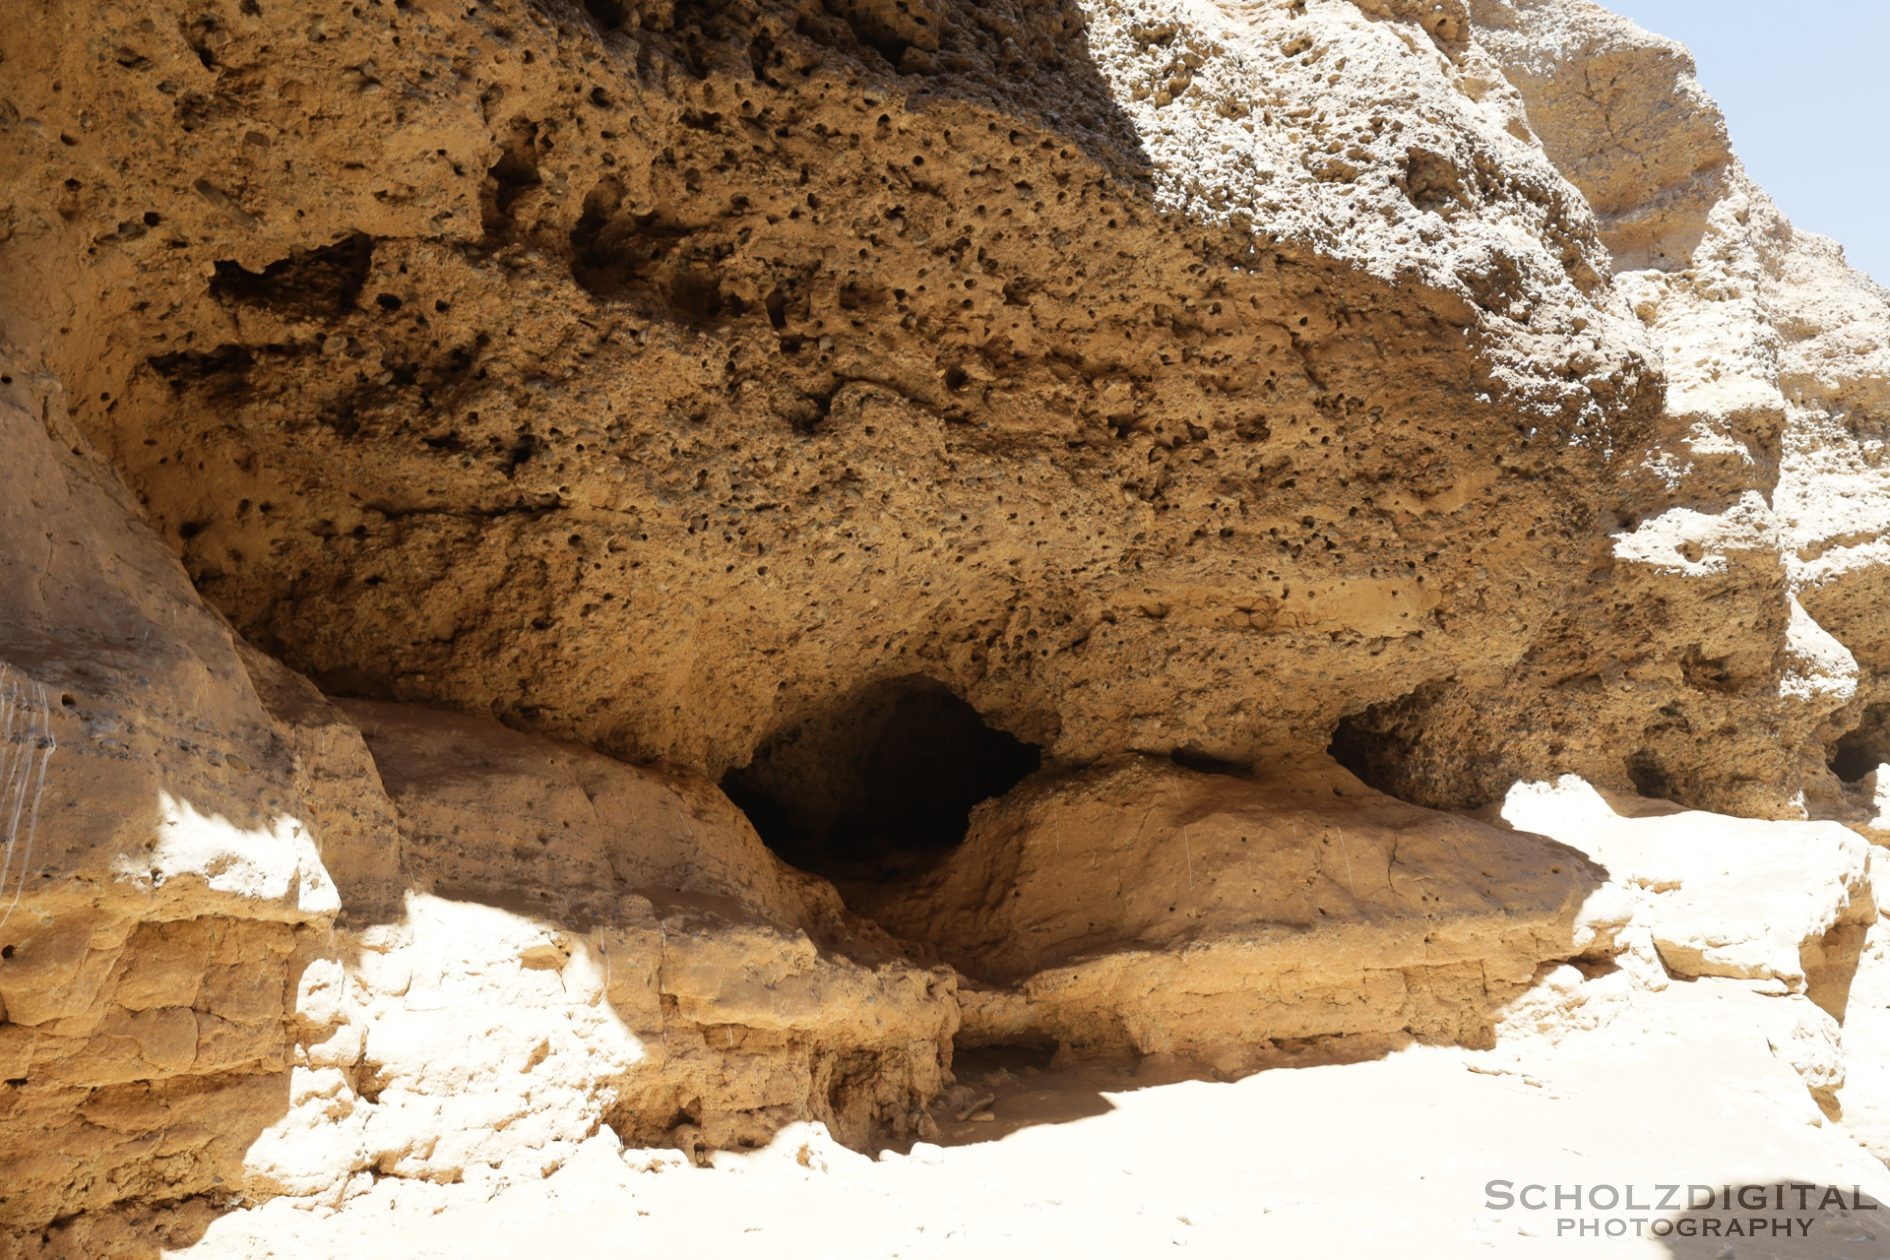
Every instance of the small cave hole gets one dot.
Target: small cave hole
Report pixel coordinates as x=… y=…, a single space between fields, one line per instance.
x=608 y=15
x=1019 y=1057
x=1861 y=750
x=880 y=783
x=315 y=282
x=1415 y=748
x=1649 y=777
x=508 y=178
x=1361 y=744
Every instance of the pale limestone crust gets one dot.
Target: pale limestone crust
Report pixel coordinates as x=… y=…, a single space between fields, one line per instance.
x=1748 y=558
x=586 y=944
x=1722 y=896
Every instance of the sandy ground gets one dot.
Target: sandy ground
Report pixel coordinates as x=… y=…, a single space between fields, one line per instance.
x=1391 y=1156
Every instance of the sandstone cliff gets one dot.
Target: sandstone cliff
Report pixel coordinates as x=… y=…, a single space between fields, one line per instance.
x=647 y=571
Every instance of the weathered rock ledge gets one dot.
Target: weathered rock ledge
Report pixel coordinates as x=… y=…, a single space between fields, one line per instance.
x=584 y=575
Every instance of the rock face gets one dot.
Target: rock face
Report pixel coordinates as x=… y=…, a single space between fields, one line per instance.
x=1727 y=642
x=1151 y=908
x=161 y=878
x=673 y=926
x=480 y=477
x=1723 y=897
x=1123 y=361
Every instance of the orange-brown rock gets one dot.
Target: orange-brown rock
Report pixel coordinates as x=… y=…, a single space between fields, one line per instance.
x=1153 y=909
x=479 y=477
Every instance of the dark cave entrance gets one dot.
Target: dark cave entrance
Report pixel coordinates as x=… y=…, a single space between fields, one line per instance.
x=1390 y=747
x=1859 y=751
x=880 y=783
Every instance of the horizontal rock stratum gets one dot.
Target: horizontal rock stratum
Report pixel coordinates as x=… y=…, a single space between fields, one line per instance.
x=584 y=574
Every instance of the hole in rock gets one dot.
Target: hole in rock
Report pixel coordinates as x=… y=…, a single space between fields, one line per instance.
x=607 y=14
x=1357 y=746
x=1648 y=776
x=1857 y=752
x=1394 y=747
x=879 y=783
x=980 y=1059
x=1190 y=758
x=315 y=282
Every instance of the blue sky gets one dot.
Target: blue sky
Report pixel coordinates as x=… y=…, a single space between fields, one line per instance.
x=1806 y=91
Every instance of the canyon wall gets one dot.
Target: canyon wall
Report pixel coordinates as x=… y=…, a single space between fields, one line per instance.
x=458 y=454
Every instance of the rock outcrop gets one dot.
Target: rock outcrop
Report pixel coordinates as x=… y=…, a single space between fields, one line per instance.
x=161 y=877
x=1743 y=560
x=1148 y=908
x=1123 y=364
x=1117 y=493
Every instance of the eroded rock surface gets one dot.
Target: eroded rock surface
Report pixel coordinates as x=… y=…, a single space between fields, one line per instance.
x=738 y=993
x=1151 y=908
x=1100 y=364
x=1742 y=556
x=1135 y=398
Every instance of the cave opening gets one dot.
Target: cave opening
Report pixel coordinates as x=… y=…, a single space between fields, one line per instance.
x=1386 y=747
x=880 y=783
x=1862 y=749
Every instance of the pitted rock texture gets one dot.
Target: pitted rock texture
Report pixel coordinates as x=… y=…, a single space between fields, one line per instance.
x=1737 y=629
x=1125 y=369
x=1142 y=376
x=1165 y=387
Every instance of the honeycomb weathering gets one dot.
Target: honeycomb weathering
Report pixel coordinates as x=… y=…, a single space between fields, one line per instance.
x=650 y=573
x=982 y=401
